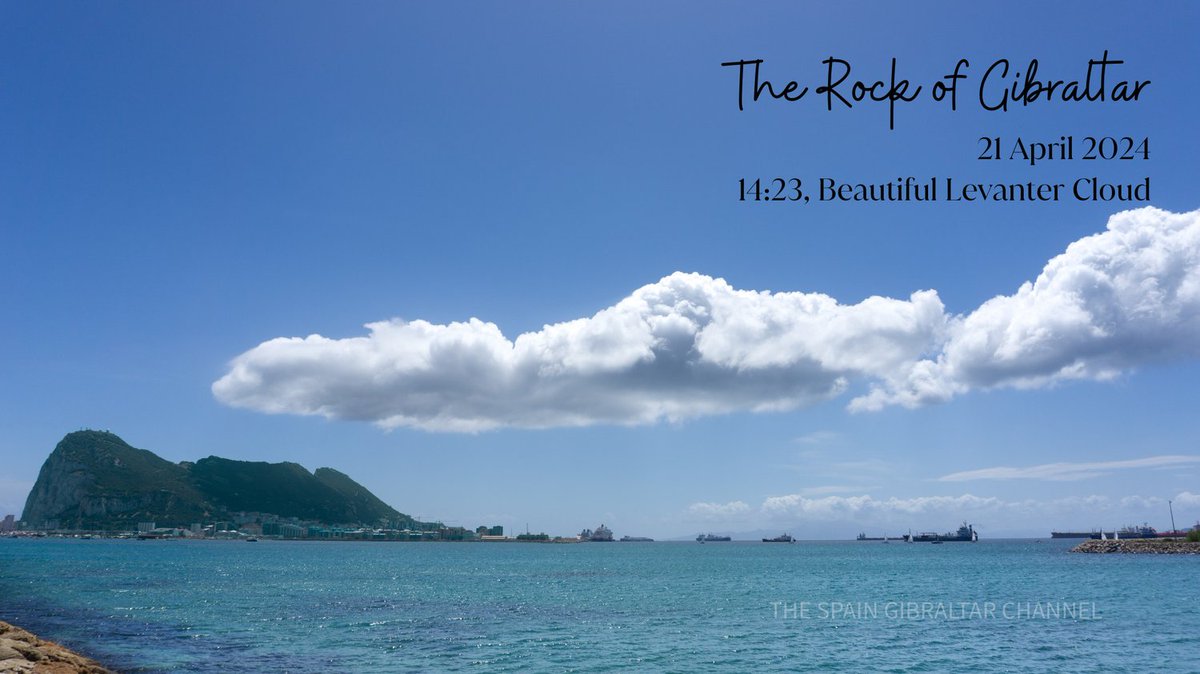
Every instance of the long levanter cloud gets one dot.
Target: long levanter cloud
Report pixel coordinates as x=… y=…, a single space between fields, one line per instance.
x=691 y=345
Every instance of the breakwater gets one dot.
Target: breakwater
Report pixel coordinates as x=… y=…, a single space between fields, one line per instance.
x=1143 y=546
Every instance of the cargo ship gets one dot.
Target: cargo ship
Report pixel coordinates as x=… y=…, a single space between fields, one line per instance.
x=785 y=538
x=1072 y=534
x=712 y=538
x=966 y=533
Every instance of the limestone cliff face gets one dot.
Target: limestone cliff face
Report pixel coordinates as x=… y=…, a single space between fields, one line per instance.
x=61 y=483
x=94 y=480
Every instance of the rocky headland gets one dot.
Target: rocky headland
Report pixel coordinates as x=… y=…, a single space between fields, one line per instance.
x=94 y=480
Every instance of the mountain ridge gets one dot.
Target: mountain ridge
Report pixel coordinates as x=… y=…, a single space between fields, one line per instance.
x=95 y=480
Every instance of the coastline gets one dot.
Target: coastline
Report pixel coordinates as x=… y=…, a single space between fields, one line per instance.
x=22 y=651
x=1139 y=546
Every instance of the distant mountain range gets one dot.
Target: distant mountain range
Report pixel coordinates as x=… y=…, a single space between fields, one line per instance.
x=95 y=480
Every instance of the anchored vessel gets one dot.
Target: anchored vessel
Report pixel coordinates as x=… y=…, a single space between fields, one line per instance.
x=711 y=538
x=1072 y=534
x=785 y=538
x=965 y=533
x=602 y=534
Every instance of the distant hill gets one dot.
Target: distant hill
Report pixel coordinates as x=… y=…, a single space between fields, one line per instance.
x=94 y=479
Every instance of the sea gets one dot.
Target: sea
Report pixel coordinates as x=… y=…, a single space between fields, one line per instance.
x=293 y=606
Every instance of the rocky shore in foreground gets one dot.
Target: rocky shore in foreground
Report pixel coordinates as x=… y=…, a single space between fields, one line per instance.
x=1142 y=546
x=23 y=652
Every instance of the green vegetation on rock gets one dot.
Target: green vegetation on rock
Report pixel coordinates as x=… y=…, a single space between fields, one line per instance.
x=287 y=489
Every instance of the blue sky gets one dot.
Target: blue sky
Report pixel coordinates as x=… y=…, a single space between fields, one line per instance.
x=184 y=184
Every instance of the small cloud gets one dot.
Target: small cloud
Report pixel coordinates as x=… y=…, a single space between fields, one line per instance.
x=1142 y=502
x=1069 y=471
x=717 y=511
x=828 y=489
x=818 y=438
x=1187 y=498
x=851 y=507
x=862 y=466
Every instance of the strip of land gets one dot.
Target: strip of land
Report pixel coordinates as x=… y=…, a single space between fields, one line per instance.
x=22 y=652
x=1143 y=546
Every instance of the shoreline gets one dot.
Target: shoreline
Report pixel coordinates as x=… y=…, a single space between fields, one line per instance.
x=23 y=651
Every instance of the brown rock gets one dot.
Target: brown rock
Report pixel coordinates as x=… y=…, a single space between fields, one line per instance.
x=23 y=652
x=7 y=652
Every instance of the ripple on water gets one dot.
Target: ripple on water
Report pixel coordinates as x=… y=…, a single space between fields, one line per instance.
x=216 y=607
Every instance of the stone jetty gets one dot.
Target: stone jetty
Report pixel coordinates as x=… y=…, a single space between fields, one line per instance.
x=22 y=652
x=1141 y=546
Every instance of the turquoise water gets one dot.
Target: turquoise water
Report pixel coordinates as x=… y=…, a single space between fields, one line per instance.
x=218 y=606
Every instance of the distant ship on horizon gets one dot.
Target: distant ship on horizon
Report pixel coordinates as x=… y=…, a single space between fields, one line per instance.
x=602 y=534
x=1071 y=534
x=966 y=533
x=784 y=538
x=712 y=538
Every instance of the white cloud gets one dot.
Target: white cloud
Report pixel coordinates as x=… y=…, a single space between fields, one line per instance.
x=1187 y=498
x=818 y=438
x=1111 y=302
x=851 y=507
x=828 y=489
x=717 y=511
x=686 y=346
x=690 y=345
x=1142 y=502
x=919 y=510
x=1069 y=471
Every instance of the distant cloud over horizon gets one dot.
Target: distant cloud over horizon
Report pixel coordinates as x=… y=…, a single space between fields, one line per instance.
x=1070 y=471
x=875 y=513
x=691 y=345
x=716 y=512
